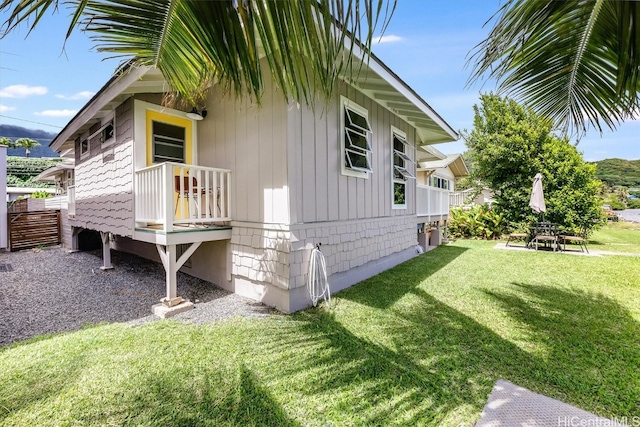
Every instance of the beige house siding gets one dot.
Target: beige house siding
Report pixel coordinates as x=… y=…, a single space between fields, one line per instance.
x=65 y=230
x=251 y=142
x=319 y=191
x=104 y=196
x=270 y=262
x=104 y=179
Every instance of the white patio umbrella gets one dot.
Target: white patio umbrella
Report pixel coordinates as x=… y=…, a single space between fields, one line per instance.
x=537 y=196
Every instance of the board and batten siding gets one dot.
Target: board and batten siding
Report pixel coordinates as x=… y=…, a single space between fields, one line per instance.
x=249 y=140
x=319 y=191
x=104 y=179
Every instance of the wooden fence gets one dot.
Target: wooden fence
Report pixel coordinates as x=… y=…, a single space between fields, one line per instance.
x=32 y=229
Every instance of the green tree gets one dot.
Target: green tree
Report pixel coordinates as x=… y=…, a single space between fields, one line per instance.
x=196 y=43
x=510 y=144
x=8 y=142
x=27 y=144
x=575 y=61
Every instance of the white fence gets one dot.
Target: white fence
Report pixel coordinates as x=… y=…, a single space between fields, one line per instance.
x=184 y=194
x=56 y=202
x=431 y=201
x=461 y=198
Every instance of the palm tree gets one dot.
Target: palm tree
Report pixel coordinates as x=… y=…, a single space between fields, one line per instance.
x=231 y=42
x=575 y=61
x=27 y=144
x=7 y=141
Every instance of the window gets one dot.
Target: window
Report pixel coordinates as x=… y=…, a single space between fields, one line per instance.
x=356 y=139
x=168 y=142
x=438 y=182
x=401 y=166
x=84 y=148
x=108 y=131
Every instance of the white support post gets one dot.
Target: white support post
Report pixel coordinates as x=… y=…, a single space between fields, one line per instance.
x=167 y=177
x=445 y=233
x=106 y=251
x=172 y=303
x=75 y=244
x=4 y=230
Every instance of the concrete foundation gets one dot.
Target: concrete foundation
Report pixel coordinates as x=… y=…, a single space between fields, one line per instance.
x=163 y=311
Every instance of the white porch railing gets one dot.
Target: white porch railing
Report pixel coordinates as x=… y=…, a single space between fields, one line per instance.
x=431 y=201
x=183 y=194
x=71 y=201
x=461 y=198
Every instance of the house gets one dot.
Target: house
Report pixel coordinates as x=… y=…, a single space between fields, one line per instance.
x=436 y=174
x=247 y=192
x=3 y=191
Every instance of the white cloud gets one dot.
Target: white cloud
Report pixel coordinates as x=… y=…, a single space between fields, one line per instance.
x=56 y=113
x=5 y=108
x=22 y=91
x=85 y=94
x=387 y=39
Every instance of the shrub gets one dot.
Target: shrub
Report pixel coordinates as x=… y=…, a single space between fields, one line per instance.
x=479 y=222
x=40 y=195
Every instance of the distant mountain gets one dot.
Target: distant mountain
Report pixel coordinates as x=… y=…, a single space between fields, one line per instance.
x=43 y=137
x=619 y=172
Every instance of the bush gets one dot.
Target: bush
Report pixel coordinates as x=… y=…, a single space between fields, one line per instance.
x=40 y=195
x=634 y=204
x=615 y=203
x=479 y=222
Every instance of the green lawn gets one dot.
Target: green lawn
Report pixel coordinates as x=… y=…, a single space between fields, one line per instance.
x=421 y=344
x=617 y=237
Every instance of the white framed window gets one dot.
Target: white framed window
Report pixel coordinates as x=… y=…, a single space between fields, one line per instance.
x=438 y=182
x=402 y=167
x=355 y=139
x=84 y=147
x=108 y=130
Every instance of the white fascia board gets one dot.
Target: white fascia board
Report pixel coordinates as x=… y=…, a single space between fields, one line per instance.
x=114 y=87
x=383 y=71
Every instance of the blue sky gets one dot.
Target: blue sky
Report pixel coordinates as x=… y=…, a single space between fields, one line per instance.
x=426 y=44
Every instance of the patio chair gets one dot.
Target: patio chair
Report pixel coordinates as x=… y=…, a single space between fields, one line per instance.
x=516 y=236
x=190 y=193
x=579 y=238
x=545 y=233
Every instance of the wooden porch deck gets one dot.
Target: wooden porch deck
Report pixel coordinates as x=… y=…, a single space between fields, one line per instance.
x=183 y=233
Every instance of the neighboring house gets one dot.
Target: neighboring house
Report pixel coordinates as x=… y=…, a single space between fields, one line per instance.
x=469 y=197
x=435 y=182
x=61 y=175
x=249 y=191
x=15 y=193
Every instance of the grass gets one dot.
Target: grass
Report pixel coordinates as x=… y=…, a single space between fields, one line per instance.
x=617 y=237
x=421 y=344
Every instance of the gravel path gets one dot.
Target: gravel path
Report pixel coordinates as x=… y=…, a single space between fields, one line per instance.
x=51 y=290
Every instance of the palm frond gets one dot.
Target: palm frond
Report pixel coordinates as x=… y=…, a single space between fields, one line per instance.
x=304 y=45
x=575 y=61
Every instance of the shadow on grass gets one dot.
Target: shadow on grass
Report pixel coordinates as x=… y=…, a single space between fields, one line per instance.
x=439 y=366
x=96 y=382
x=591 y=344
x=417 y=362
x=388 y=287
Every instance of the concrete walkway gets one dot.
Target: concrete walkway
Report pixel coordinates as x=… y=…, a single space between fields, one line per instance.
x=510 y=405
x=519 y=246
